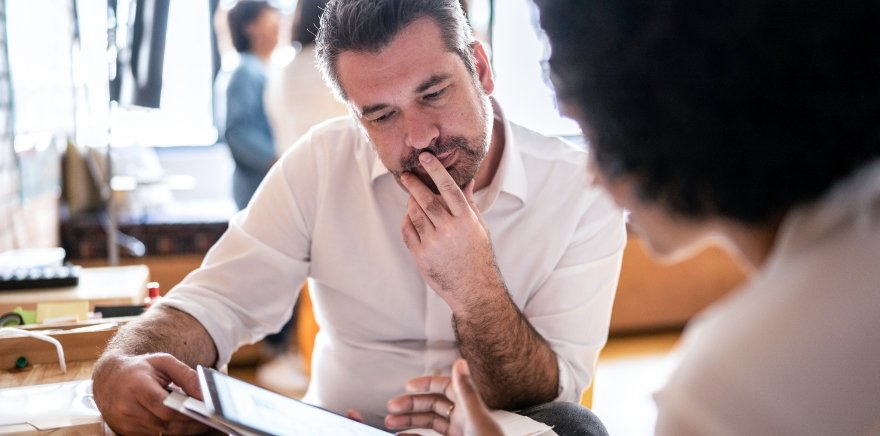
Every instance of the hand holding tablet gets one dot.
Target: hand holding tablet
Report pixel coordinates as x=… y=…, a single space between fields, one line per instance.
x=237 y=407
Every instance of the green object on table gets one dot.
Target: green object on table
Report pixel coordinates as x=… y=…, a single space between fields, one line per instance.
x=29 y=316
x=21 y=362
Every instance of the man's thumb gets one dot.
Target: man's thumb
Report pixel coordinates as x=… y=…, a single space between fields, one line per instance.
x=178 y=373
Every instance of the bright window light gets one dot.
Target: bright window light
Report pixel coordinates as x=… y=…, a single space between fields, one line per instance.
x=521 y=83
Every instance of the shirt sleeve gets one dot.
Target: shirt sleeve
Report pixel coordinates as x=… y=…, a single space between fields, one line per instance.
x=248 y=136
x=250 y=279
x=572 y=308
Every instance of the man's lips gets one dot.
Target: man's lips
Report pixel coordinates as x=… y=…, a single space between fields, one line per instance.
x=446 y=158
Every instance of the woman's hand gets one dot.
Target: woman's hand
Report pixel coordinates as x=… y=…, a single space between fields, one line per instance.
x=448 y=405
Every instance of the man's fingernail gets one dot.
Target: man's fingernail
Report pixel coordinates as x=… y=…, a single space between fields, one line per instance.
x=426 y=157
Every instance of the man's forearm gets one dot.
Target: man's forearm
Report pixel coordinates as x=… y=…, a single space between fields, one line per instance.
x=167 y=330
x=511 y=363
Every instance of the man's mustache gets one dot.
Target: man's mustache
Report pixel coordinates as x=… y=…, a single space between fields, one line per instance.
x=439 y=147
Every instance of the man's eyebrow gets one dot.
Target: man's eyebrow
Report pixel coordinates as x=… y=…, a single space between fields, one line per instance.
x=434 y=80
x=367 y=110
x=424 y=86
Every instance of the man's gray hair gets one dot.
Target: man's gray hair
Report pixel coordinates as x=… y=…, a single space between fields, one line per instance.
x=369 y=26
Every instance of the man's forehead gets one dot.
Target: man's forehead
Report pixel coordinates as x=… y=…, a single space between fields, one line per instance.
x=416 y=56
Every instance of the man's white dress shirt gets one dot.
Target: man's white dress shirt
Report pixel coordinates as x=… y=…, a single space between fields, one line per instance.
x=797 y=350
x=332 y=212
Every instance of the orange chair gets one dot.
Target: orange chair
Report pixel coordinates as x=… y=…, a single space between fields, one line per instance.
x=306 y=328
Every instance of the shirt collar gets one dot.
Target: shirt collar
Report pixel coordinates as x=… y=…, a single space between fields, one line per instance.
x=510 y=177
x=854 y=199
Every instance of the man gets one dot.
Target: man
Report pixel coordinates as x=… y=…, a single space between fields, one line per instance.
x=430 y=227
x=754 y=121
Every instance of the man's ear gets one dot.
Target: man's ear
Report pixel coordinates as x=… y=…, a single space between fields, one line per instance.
x=483 y=68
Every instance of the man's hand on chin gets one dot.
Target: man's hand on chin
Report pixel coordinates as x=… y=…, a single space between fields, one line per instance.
x=448 y=238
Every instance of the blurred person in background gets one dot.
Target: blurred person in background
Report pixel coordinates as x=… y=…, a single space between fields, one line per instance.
x=297 y=97
x=253 y=26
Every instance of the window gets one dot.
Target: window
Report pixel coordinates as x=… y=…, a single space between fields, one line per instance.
x=39 y=60
x=521 y=82
x=185 y=114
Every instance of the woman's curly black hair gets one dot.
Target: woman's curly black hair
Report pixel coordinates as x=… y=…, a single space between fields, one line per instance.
x=739 y=109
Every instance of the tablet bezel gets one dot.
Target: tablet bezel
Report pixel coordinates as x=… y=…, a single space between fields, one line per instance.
x=207 y=381
x=209 y=391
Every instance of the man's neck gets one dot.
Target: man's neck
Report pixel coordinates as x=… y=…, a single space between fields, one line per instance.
x=263 y=53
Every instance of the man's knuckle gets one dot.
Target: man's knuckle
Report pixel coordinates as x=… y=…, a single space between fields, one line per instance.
x=420 y=229
x=423 y=420
x=435 y=207
x=164 y=413
x=127 y=408
x=436 y=423
x=419 y=224
x=447 y=185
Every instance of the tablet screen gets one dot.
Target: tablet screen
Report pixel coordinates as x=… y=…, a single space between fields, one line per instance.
x=266 y=412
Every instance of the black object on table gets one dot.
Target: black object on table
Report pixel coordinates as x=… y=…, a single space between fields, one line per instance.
x=39 y=277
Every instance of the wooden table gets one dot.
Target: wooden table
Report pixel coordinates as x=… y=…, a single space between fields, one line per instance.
x=27 y=388
x=42 y=373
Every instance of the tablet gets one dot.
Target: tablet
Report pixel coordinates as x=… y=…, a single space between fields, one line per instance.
x=265 y=412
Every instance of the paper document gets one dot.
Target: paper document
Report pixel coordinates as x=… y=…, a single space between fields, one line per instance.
x=47 y=407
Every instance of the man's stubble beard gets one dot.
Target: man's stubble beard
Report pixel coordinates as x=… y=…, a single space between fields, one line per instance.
x=470 y=152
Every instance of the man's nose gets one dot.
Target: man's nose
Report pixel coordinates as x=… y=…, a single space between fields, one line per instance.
x=420 y=131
